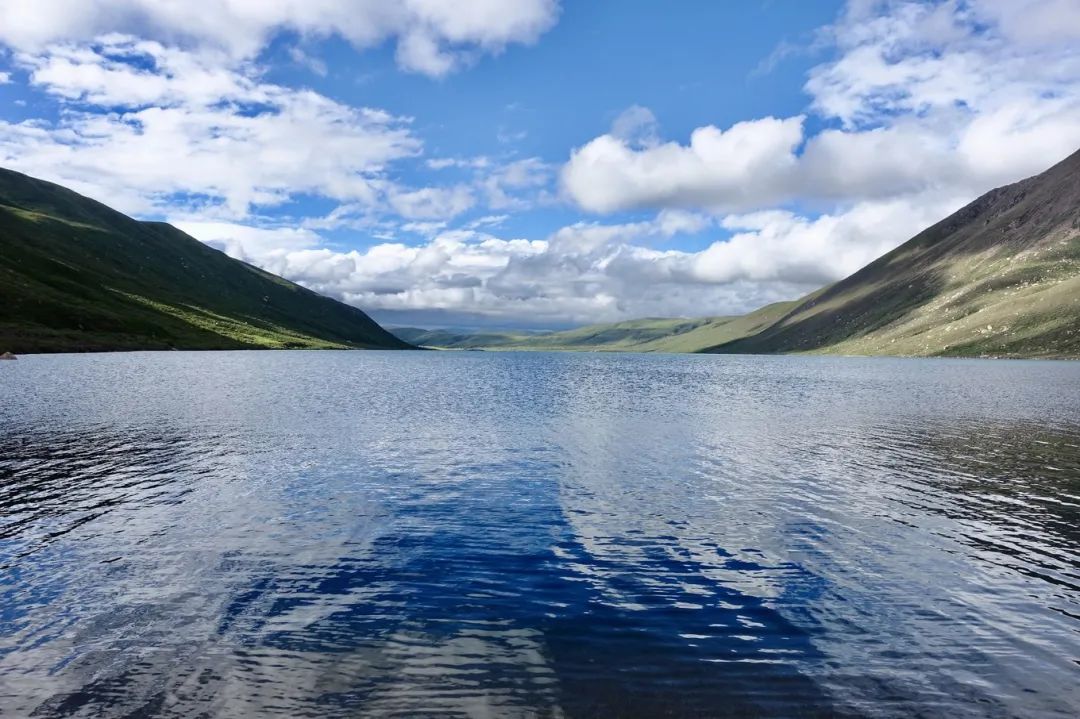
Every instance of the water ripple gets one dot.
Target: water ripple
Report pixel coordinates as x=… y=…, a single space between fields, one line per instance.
x=472 y=534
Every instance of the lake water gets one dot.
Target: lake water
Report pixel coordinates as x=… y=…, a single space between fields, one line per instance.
x=333 y=534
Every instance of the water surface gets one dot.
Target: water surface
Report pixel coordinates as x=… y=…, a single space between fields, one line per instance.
x=334 y=534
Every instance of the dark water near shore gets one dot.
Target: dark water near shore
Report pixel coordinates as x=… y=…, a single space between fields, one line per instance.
x=348 y=533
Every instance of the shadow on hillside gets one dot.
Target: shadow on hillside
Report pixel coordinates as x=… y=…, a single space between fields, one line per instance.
x=827 y=320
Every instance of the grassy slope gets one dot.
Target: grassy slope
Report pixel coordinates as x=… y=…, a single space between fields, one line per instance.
x=454 y=339
x=645 y=335
x=999 y=277
x=76 y=275
x=658 y=334
x=619 y=336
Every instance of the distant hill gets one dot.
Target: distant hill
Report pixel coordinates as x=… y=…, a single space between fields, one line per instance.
x=1000 y=277
x=76 y=275
x=645 y=335
x=454 y=339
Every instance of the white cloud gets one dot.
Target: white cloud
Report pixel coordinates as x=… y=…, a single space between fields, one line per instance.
x=244 y=242
x=1032 y=22
x=589 y=272
x=487 y=221
x=440 y=203
x=419 y=51
x=924 y=106
x=957 y=97
x=904 y=57
x=428 y=229
x=442 y=163
x=433 y=36
x=305 y=59
x=153 y=129
x=781 y=246
x=743 y=166
x=674 y=222
x=517 y=185
x=122 y=70
x=636 y=126
x=150 y=129
x=181 y=125
x=5 y=78
x=135 y=159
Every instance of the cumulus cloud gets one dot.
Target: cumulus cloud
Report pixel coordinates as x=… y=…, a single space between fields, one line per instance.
x=921 y=107
x=737 y=168
x=957 y=97
x=146 y=127
x=179 y=124
x=516 y=185
x=432 y=202
x=929 y=104
x=140 y=162
x=775 y=245
x=433 y=36
x=904 y=57
x=123 y=70
x=248 y=243
x=924 y=106
x=1032 y=22
x=588 y=271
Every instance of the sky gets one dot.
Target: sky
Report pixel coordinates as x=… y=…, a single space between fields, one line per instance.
x=537 y=163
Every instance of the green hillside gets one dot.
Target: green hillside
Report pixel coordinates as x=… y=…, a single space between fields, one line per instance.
x=628 y=336
x=645 y=335
x=1000 y=277
x=76 y=275
x=454 y=339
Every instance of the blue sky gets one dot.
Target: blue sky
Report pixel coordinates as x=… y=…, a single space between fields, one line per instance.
x=690 y=63
x=535 y=163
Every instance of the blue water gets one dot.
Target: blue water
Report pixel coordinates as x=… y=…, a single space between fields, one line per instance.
x=334 y=534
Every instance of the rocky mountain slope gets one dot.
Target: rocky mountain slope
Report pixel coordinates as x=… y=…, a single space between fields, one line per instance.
x=999 y=277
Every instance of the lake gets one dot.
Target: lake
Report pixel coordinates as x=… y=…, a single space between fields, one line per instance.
x=324 y=534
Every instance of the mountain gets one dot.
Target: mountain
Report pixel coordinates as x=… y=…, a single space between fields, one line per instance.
x=1000 y=277
x=645 y=335
x=454 y=339
x=76 y=275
